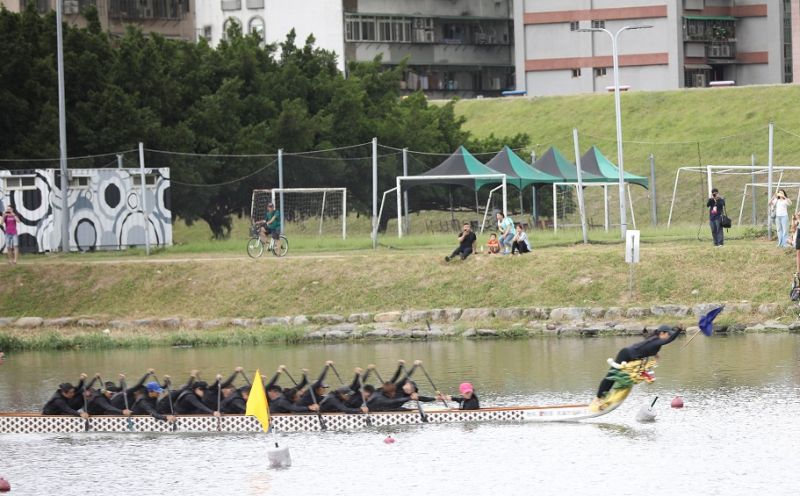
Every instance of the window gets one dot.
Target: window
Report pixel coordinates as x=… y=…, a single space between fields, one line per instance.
x=599 y=24
x=256 y=26
x=149 y=179
x=206 y=32
x=384 y=28
x=20 y=183
x=576 y=73
x=231 y=4
x=79 y=182
x=574 y=26
x=600 y=71
x=231 y=23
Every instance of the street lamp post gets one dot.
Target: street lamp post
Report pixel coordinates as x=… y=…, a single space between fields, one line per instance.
x=623 y=217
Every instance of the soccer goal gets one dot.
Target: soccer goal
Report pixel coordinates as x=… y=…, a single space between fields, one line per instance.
x=319 y=211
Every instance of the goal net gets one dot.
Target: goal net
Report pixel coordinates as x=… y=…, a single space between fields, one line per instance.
x=316 y=211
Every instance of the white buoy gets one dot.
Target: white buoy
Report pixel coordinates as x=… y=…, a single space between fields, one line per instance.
x=646 y=413
x=279 y=456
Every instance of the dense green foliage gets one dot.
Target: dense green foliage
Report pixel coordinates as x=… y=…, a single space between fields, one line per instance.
x=239 y=98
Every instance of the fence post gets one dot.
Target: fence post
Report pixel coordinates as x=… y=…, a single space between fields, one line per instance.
x=405 y=193
x=280 y=186
x=375 y=219
x=144 y=200
x=753 y=187
x=769 y=179
x=580 y=185
x=653 y=202
x=62 y=131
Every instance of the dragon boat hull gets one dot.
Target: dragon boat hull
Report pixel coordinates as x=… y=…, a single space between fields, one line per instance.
x=21 y=423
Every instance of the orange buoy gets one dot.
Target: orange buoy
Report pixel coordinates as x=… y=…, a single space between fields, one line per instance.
x=389 y=440
x=5 y=486
x=677 y=402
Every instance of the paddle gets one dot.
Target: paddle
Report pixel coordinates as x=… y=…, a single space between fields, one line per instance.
x=419 y=363
x=288 y=375
x=368 y=419
x=319 y=415
x=219 y=402
x=337 y=374
x=125 y=397
x=166 y=378
x=419 y=405
x=245 y=378
x=85 y=410
x=167 y=382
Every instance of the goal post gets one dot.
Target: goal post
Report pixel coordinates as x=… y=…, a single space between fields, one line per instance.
x=317 y=211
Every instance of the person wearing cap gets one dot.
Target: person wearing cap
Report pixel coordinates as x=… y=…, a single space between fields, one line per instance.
x=118 y=400
x=59 y=403
x=271 y=225
x=336 y=400
x=643 y=349
x=98 y=401
x=190 y=401
x=317 y=390
x=167 y=403
x=144 y=402
x=468 y=399
x=284 y=401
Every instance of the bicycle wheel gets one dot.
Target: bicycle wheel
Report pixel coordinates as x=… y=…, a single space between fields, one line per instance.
x=255 y=248
x=284 y=247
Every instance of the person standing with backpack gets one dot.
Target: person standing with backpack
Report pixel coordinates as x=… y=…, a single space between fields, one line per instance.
x=716 y=207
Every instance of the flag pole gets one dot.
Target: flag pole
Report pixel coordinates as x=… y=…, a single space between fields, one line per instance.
x=690 y=339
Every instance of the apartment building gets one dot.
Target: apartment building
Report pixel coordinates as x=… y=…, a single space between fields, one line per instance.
x=453 y=48
x=273 y=20
x=170 y=18
x=690 y=43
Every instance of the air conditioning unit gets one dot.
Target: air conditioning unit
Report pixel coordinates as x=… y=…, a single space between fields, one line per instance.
x=428 y=36
x=699 y=80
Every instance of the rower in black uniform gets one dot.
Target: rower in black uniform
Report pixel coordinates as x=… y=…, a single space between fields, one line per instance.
x=59 y=403
x=145 y=399
x=190 y=400
x=336 y=400
x=282 y=401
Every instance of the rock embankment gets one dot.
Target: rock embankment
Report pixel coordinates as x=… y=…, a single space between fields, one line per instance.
x=451 y=322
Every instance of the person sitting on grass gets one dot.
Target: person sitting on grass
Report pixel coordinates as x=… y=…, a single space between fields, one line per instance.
x=493 y=245
x=521 y=244
x=506 y=227
x=466 y=244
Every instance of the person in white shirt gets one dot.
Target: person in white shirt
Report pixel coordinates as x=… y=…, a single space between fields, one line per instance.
x=520 y=244
x=780 y=209
x=505 y=226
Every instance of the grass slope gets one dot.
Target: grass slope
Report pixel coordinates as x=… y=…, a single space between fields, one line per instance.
x=573 y=275
x=684 y=127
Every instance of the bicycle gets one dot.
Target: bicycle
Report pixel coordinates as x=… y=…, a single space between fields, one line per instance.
x=255 y=247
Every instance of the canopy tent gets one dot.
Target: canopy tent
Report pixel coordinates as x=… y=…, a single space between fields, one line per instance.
x=519 y=172
x=460 y=169
x=457 y=169
x=554 y=164
x=594 y=162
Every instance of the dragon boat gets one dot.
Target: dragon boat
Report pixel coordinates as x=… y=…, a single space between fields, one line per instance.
x=624 y=375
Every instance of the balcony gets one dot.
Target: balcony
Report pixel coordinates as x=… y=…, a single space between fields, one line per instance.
x=146 y=10
x=705 y=29
x=367 y=28
x=721 y=50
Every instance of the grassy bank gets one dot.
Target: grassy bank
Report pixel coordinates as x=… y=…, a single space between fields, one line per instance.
x=683 y=271
x=680 y=128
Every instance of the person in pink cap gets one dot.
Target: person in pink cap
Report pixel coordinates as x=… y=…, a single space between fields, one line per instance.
x=468 y=399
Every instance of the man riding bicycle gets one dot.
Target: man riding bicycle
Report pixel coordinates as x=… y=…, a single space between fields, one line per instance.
x=271 y=225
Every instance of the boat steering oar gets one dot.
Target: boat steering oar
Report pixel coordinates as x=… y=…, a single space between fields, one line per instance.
x=419 y=363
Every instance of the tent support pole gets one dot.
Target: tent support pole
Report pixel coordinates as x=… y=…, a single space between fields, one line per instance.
x=555 y=209
x=534 y=211
x=630 y=203
x=605 y=207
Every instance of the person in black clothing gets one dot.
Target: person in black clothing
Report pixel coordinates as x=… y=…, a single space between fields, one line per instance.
x=145 y=399
x=361 y=392
x=336 y=401
x=386 y=399
x=232 y=400
x=213 y=397
x=466 y=244
x=190 y=401
x=167 y=403
x=318 y=388
x=118 y=400
x=59 y=403
x=643 y=349
x=468 y=399
x=98 y=401
x=716 y=207
x=284 y=401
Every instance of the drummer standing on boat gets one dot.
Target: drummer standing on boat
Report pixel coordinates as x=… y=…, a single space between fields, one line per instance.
x=643 y=349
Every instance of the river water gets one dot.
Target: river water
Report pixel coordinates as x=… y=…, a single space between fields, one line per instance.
x=737 y=435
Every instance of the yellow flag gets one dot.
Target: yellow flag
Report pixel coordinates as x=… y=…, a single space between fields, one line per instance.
x=257 y=405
